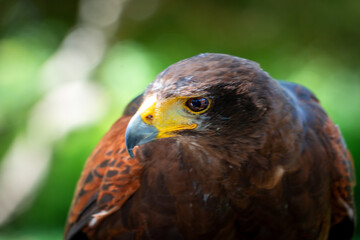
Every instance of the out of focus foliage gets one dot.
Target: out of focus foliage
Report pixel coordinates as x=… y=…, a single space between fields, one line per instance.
x=314 y=43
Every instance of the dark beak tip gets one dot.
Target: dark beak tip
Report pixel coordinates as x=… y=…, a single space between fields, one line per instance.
x=130 y=152
x=138 y=133
x=129 y=147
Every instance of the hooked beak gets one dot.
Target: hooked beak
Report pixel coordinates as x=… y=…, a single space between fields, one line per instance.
x=138 y=133
x=156 y=120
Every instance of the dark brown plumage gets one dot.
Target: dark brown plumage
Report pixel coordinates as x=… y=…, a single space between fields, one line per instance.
x=226 y=152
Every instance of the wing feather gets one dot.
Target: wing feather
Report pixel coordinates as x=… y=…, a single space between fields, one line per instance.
x=343 y=182
x=109 y=178
x=340 y=162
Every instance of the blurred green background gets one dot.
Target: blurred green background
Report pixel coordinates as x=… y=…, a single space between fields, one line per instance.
x=117 y=48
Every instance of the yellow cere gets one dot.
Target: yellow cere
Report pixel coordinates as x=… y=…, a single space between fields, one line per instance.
x=166 y=116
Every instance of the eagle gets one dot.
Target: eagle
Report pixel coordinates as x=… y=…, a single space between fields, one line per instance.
x=217 y=149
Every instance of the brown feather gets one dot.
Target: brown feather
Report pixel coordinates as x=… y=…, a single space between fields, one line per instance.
x=268 y=163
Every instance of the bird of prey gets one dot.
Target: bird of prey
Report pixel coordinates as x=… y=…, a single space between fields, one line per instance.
x=217 y=149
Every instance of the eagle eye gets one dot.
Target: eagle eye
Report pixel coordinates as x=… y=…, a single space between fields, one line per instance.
x=197 y=104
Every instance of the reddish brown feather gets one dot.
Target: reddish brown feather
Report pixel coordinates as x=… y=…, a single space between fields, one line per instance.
x=342 y=176
x=110 y=174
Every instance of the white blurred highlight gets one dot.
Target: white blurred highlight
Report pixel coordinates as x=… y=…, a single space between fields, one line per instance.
x=79 y=54
x=64 y=109
x=22 y=169
x=71 y=101
x=99 y=14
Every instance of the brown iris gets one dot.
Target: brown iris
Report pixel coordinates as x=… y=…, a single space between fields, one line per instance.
x=198 y=104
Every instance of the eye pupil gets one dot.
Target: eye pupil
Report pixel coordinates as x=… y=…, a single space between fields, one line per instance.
x=197 y=104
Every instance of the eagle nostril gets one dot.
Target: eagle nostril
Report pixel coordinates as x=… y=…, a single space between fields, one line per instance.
x=149 y=117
